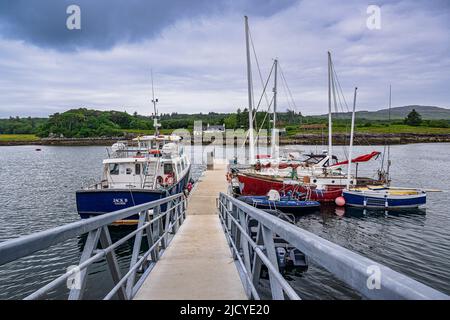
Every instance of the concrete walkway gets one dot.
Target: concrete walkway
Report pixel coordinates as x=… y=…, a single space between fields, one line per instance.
x=198 y=263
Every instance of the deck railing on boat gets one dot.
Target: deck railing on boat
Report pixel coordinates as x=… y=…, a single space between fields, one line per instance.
x=370 y=279
x=156 y=229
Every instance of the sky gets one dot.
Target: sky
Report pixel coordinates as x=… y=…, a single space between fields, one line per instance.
x=196 y=50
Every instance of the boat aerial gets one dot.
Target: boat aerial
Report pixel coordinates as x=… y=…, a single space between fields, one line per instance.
x=156 y=168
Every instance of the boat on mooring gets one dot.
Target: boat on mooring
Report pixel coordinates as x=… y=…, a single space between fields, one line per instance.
x=380 y=197
x=385 y=197
x=156 y=168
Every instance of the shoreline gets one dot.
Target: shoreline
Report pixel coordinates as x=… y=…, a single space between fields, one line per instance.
x=303 y=139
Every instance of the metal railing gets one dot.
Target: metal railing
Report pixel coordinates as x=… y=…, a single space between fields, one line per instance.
x=155 y=229
x=356 y=271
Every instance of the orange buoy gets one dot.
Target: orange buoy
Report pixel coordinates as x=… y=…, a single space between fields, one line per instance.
x=340 y=201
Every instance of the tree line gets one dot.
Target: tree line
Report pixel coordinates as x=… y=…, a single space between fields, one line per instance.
x=85 y=122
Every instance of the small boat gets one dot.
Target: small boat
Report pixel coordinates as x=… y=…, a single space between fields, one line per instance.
x=385 y=197
x=284 y=204
x=376 y=197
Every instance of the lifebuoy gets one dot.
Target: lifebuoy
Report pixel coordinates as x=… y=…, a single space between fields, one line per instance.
x=169 y=179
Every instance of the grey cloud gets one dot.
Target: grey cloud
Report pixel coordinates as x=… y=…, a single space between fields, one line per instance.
x=106 y=23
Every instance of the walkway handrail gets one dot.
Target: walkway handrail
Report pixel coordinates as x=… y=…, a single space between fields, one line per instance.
x=353 y=269
x=157 y=232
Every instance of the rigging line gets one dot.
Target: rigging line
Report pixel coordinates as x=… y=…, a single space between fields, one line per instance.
x=259 y=70
x=264 y=120
x=340 y=87
x=257 y=62
x=287 y=86
x=333 y=89
x=285 y=90
x=264 y=90
x=259 y=103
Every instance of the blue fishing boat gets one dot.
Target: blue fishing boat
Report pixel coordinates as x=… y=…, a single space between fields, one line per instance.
x=157 y=168
x=151 y=168
x=284 y=204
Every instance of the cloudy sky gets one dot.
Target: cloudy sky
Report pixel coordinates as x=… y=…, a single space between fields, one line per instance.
x=197 y=52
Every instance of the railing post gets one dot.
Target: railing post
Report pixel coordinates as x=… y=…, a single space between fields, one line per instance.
x=168 y=213
x=174 y=214
x=244 y=241
x=275 y=287
x=150 y=240
x=135 y=253
x=182 y=209
x=236 y=233
x=105 y=241
x=257 y=263
x=89 y=247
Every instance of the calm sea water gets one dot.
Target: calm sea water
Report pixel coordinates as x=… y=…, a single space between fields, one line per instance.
x=37 y=192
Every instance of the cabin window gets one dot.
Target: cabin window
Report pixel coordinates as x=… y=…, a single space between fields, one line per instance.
x=129 y=171
x=137 y=168
x=183 y=165
x=114 y=168
x=179 y=167
x=168 y=168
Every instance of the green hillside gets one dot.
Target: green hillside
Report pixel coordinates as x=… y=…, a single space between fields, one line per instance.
x=427 y=113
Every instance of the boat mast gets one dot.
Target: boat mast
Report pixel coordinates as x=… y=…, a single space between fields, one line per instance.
x=330 y=124
x=274 y=126
x=250 y=102
x=350 y=152
x=389 y=145
x=155 y=115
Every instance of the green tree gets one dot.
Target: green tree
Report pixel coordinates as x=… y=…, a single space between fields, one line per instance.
x=413 y=118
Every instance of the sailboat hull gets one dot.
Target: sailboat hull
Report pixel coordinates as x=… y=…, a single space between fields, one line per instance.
x=258 y=186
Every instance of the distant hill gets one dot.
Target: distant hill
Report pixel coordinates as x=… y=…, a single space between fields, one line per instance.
x=427 y=113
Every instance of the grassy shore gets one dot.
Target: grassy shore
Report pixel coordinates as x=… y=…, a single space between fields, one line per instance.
x=18 y=137
x=373 y=134
x=373 y=129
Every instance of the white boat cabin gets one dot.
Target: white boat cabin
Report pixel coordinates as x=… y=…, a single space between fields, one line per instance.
x=157 y=163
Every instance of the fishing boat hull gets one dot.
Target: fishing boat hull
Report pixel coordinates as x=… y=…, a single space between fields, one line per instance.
x=94 y=202
x=380 y=200
x=287 y=206
x=251 y=185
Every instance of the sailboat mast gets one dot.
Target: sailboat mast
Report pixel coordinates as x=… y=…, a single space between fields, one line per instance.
x=350 y=152
x=389 y=145
x=330 y=124
x=250 y=102
x=274 y=126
